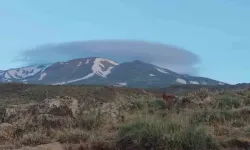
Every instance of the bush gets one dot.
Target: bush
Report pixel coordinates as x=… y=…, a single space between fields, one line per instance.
x=248 y=94
x=238 y=123
x=202 y=93
x=196 y=138
x=163 y=134
x=247 y=101
x=228 y=103
x=159 y=104
x=89 y=122
x=137 y=104
x=212 y=117
x=147 y=134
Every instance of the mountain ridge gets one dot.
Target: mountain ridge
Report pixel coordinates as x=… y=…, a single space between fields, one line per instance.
x=97 y=70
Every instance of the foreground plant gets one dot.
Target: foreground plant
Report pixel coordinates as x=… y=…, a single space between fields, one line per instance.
x=165 y=134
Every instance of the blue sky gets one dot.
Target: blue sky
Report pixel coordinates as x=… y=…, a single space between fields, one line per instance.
x=215 y=30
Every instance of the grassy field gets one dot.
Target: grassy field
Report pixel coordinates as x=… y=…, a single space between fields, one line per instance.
x=93 y=118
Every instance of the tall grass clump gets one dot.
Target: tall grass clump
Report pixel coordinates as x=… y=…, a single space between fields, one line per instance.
x=34 y=138
x=196 y=138
x=165 y=134
x=212 y=117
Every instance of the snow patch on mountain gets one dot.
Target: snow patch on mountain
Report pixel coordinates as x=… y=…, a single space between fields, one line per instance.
x=83 y=78
x=24 y=81
x=162 y=70
x=59 y=83
x=75 y=80
x=7 y=76
x=24 y=72
x=42 y=76
x=79 y=64
x=102 y=65
x=203 y=82
x=181 y=81
x=107 y=72
x=194 y=82
x=98 y=67
x=121 y=84
x=45 y=67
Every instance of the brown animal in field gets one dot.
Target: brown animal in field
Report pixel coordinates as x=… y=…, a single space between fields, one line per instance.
x=169 y=98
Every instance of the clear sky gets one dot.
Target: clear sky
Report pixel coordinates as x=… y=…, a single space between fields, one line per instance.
x=216 y=30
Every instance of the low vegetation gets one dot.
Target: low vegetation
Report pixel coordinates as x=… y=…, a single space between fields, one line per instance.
x=201 y=120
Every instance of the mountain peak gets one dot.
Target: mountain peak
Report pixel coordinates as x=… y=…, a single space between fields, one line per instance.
x=93 y=60
x=140 y=62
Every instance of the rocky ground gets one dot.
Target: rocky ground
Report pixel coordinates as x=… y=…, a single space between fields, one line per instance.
x=92 y=118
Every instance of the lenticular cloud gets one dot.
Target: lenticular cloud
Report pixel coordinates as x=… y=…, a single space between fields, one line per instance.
x=168 y=56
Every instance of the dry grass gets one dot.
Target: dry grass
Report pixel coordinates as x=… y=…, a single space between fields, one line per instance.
x=201 y=120
x=34 y=138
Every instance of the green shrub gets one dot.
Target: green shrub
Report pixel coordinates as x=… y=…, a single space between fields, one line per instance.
x=246 y=101
x=200 y=117
x=196 y=138
x=163 y=134
x=159 y=104
x=228 y=103
x=137 y=104
x=146 y=133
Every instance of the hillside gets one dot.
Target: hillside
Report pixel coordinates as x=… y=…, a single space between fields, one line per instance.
x=104 y=117
x=186 y=88
x=101 y=71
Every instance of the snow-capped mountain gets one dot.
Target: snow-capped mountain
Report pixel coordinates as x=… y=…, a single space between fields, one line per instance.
x=94 y=70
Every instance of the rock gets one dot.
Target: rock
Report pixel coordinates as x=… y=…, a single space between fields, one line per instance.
x=6 y=131
x=51 y=146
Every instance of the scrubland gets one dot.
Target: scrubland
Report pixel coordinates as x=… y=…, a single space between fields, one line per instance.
x=94 y=118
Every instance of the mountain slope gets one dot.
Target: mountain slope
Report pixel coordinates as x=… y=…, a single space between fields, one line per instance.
x=94 y=70
x=141 y=74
